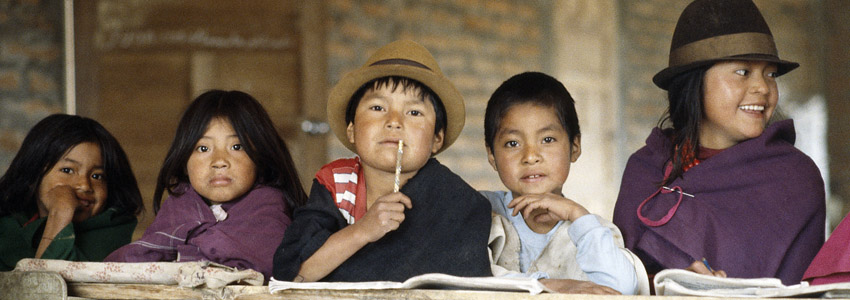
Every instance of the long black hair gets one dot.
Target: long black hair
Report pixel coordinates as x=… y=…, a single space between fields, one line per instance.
x=684 y=111
x=46 y=143
x=256 y=132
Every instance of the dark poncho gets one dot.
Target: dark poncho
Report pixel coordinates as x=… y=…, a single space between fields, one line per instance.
x=757 y=210
x=89 y=240
x=446 y=231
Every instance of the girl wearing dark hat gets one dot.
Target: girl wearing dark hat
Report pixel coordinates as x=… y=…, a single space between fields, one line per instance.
x=719 y=184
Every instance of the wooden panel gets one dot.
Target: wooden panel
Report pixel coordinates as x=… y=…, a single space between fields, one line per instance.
x=144 y=61
x=142 y=97
x=271 y=77
x=192 y=25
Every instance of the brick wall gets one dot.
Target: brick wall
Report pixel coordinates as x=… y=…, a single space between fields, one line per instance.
x=478 y=44
x=31 y=69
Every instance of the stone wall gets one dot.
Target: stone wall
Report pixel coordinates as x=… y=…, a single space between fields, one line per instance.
x=31 y=69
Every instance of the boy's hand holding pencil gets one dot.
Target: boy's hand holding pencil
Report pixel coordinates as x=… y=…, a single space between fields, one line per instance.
x=387 y=213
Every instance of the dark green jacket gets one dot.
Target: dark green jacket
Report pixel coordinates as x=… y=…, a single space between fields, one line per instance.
x=90 y=240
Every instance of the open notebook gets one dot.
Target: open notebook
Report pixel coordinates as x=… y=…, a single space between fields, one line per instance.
x=677 y=282
x=424 y=281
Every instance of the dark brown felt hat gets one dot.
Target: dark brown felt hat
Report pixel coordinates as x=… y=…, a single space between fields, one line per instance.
x=710 y=31
x=400 y=58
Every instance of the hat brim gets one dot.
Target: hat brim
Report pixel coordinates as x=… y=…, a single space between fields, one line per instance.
x=663 y=78
x=450 y=97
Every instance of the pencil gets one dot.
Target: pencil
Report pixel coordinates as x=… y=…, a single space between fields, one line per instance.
x=398 y=165
x=705 y=262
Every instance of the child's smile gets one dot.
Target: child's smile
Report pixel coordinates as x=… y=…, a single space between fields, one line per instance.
x=81 y=171
x=532 y=151
x=739 y=99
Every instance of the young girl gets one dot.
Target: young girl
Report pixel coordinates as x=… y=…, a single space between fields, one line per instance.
x=723 y=187
x=232 y=186
x=68 y=194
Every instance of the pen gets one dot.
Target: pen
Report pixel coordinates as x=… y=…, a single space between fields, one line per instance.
x=705 y=262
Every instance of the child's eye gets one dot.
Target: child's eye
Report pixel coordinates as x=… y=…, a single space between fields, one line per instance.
x=376 y=108
x=97 y=176
x=237 y=147
x=548 y=139
x=742 y=72
x=415 y=113
x=66 y=170
x=203 y=149
x=511 y=144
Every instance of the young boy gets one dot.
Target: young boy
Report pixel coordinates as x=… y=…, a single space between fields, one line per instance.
x=354 y=227
x=532 y=136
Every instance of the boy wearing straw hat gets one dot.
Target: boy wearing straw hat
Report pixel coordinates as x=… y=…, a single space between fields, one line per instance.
x=395 y=113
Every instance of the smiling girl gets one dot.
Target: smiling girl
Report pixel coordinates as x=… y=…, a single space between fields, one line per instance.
x=68 y=194
x=232 y=186
x=720 y=184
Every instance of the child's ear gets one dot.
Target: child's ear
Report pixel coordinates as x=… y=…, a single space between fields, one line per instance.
x=575 y=149
x=438 y=141
x=491 y=158
x=349 y=132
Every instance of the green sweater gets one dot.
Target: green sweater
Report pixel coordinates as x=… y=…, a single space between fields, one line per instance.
x=90 y=240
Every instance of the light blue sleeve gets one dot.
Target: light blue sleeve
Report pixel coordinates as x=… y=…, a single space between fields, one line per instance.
x=600 y=258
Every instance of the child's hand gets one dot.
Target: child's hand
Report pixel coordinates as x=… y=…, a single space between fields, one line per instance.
x=569 y=286
x=699 y=267
x=385 y=215
x=61 y=202
x=555 y=207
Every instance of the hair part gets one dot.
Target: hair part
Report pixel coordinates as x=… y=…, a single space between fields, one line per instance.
x=45 y=144
x=393 y=83
x=534 y=88
x=684 y=111
x=256 y=132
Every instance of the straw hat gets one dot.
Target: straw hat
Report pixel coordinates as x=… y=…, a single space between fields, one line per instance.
x=400 y=58
x=709 y=31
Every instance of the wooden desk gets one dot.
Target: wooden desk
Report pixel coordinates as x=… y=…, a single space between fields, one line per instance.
x=49 y=285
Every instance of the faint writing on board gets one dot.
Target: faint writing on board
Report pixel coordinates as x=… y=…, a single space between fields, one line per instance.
x=199 y=38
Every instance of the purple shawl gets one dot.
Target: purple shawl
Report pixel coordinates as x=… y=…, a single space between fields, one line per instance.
x=757 y=210
x=185 y=229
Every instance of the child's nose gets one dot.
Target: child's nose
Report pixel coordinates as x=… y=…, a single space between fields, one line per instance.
x=219 y=160
x=393 y=120
x=83 y=184
x=531 y=155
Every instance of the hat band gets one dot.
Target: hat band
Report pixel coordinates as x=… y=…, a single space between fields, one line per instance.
x=723 y=46
x=400 y=61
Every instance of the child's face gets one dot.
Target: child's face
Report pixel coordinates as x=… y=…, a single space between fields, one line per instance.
x=385 y=116
x=81 y=169
x=739 y=98
x=532 y=151
x=219 y=169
